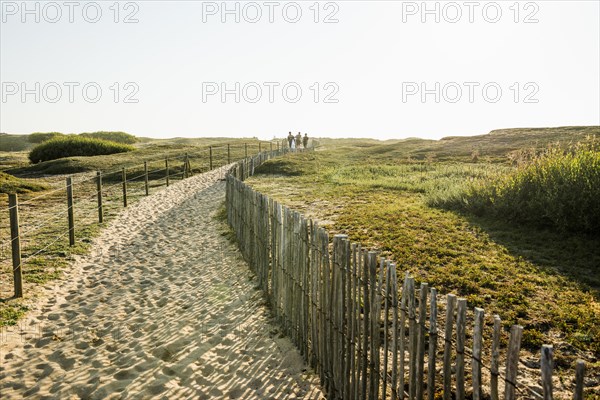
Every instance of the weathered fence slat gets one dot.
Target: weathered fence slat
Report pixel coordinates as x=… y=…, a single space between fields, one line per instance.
x=546 y=370
x=450 y=304
x=433 y=336
x=394 y=301
x=412 y=339
x=424 y=291
x=512 y=362
x=375 y=303
x=366 y=325
x=461 y=316
x=476 y=359
x=495 y=362
x=402 y=351
x=386 y=335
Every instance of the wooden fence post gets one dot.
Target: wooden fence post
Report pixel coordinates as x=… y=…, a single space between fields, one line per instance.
x=259 y=147
x=512 y=362
x=450 y=303
x=70 y=211
x=210 y=159
x=579 y=372
x=99 y=190
x=15 y=240
x=124 y=179
x=185 y=172
x=167 y=170
x=546 y=366
x=476 y=360
x=146 y=178
x=228 y=154
x=245 y=150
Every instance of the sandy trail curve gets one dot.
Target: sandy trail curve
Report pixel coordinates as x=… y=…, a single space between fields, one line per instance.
x=162 y=307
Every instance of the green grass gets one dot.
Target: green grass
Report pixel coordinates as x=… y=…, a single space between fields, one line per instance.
x=546 y=280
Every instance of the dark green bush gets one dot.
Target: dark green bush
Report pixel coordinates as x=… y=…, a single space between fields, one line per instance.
x=119 y=137
x=558 y=190
x=69 y=146
x=40 y=137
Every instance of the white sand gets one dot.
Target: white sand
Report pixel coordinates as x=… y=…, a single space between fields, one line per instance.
x=162 y=307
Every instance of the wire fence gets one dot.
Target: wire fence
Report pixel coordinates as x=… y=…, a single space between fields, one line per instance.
x=368 y=334
x=46 y=228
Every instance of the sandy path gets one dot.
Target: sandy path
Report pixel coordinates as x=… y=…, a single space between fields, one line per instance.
x=162 y=307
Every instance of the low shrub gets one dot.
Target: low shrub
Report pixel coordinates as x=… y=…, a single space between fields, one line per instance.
x=70 y=146
x=119 y=137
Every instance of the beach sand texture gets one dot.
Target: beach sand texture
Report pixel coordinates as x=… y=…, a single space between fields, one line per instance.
x=162 y=307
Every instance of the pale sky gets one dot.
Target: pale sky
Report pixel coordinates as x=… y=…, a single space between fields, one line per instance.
x=490 y=64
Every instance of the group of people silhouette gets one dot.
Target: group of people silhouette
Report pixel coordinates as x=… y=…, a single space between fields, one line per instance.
x=295 y=141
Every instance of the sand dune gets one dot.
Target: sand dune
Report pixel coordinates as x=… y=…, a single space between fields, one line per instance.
x=162 y=307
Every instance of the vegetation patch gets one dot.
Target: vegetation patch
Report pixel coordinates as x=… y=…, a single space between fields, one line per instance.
x=10 y=313
x=40 y=137
x=119 y=137
x=70 y=146
x=11 y=184
x=558 y=190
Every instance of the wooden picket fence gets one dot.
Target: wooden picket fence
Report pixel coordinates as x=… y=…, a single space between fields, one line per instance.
x=341 y=306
